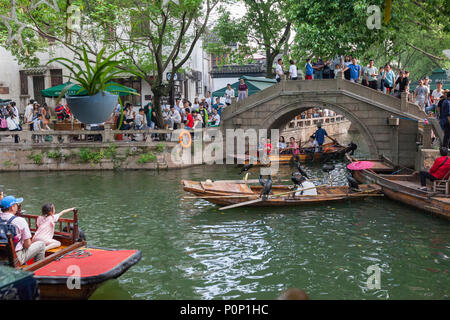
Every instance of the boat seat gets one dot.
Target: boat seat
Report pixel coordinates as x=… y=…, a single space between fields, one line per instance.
x=441 y=186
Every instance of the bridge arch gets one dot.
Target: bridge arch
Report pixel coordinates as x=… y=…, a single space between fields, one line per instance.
x=285 y=113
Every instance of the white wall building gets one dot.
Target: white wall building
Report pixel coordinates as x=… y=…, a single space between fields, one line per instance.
x=21 y=84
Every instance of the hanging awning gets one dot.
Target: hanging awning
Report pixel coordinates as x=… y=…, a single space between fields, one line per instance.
x=55 y=91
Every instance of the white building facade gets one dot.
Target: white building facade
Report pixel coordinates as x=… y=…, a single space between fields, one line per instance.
x=21 y=84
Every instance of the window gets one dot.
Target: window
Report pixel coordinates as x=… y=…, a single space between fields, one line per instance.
x=23 y=83
x=56 y=77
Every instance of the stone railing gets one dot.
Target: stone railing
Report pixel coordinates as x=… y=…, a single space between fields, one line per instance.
x=107 y=136
x=312 y=122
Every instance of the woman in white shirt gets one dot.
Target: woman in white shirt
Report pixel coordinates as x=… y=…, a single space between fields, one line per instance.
x=293 y=75
x=196 y=104
x=13 y=125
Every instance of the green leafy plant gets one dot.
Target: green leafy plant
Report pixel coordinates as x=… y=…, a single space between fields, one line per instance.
x=56 y=154
x=111 y=151
x=160 y=147
x=93 y=78
x=37 y=158
x=147 y=157
x=86 y=155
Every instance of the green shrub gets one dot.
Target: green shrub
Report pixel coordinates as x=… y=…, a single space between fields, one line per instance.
x=160 y=147
x=56 y=154
x=111 y=151
x=86 y=155
x=147 y=157
x=37 y=158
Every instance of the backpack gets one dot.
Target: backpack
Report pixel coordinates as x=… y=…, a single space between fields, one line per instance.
x=5 y=227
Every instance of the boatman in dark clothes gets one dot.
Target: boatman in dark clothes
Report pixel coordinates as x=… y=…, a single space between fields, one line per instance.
x=444 y=120
x=440 y=169
x=320 y=134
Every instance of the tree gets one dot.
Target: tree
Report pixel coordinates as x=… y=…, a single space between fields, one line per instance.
x=413 y=37
x=156 y=36
x=265 y=26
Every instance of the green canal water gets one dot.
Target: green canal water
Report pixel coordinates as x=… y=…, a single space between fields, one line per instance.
x=191 y=250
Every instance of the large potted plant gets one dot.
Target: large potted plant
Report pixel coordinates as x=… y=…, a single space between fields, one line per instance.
x=92 y=103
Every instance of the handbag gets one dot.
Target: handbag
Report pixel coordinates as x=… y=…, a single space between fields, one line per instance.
x=3 y=123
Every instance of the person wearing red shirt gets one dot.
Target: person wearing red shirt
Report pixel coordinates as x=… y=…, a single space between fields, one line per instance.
x=190 y=119
x=268 y=147
x=440 y=169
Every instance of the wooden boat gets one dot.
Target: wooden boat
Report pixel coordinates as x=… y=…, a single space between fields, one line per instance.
x=402 y=184
x=329 y=151
x=74 y=270
x=17 y=284
x=225 y=193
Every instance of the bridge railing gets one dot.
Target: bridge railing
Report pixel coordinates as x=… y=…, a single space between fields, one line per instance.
x=307 y=122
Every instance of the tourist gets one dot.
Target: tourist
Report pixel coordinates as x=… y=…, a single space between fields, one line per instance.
x=440 y=169
x=175 y=117
x=149 y=115
x=293 y=294
x=380 y=80
x=293 y=146
x=421 y=94
x=198 y=120
x=13 y=125
x=312 y=145
x=318 y=69
x=215 y=120
x=229 y=94
x=281 y=145
x=444 y=119
x=46 y=226
x=204 y=114
x=218 y=106
x=242 y=90
x=388 y=79
x=320 y=134
x=327 y=71
x=279 y=73
x=309 y=71
x=25 y=249
x=196 y=104
x=209 y=101
x=139 y=120
x=345 y=69
x=124 y=125
x=293 y=75
x=28 y=115
x=401 y=82
x=15 y=109
x=189 y=119
x=337 y=70
x=46 y=116
x=435 y=97
x=355 y=71
x=371 y=75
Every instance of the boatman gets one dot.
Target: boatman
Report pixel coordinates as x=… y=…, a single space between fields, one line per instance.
x=25 y=250
x=320 y=134
x=440 y=169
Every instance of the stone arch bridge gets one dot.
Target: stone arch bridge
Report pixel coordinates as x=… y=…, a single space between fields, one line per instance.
x=391 y=126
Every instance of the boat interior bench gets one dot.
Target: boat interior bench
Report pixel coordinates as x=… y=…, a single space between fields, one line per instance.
x=66 y=232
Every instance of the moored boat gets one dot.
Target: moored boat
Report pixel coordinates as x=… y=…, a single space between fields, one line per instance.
x=328 y=151
x=224 y=193
x=74 y=270
x=402 y=184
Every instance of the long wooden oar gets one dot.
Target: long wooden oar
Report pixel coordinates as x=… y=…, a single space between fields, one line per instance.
x=260 y=199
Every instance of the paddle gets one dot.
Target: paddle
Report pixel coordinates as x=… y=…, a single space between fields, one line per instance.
x=332 y=139
x=260 y=199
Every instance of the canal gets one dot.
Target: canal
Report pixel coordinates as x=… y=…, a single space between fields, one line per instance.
x=191 y=250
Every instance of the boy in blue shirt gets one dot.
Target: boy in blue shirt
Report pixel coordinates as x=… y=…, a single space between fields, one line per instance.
x=218 y=106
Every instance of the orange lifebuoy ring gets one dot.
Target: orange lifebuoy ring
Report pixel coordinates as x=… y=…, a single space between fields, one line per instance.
x=183 y=133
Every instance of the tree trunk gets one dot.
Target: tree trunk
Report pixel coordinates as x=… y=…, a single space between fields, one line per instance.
x=269 y=63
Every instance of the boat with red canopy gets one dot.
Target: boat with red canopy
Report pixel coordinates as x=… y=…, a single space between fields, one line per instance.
x=74 y=270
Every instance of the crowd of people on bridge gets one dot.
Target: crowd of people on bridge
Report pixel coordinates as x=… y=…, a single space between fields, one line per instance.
x=383 y=78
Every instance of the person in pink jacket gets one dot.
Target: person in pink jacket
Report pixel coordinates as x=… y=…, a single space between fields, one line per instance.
x=46 y=226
